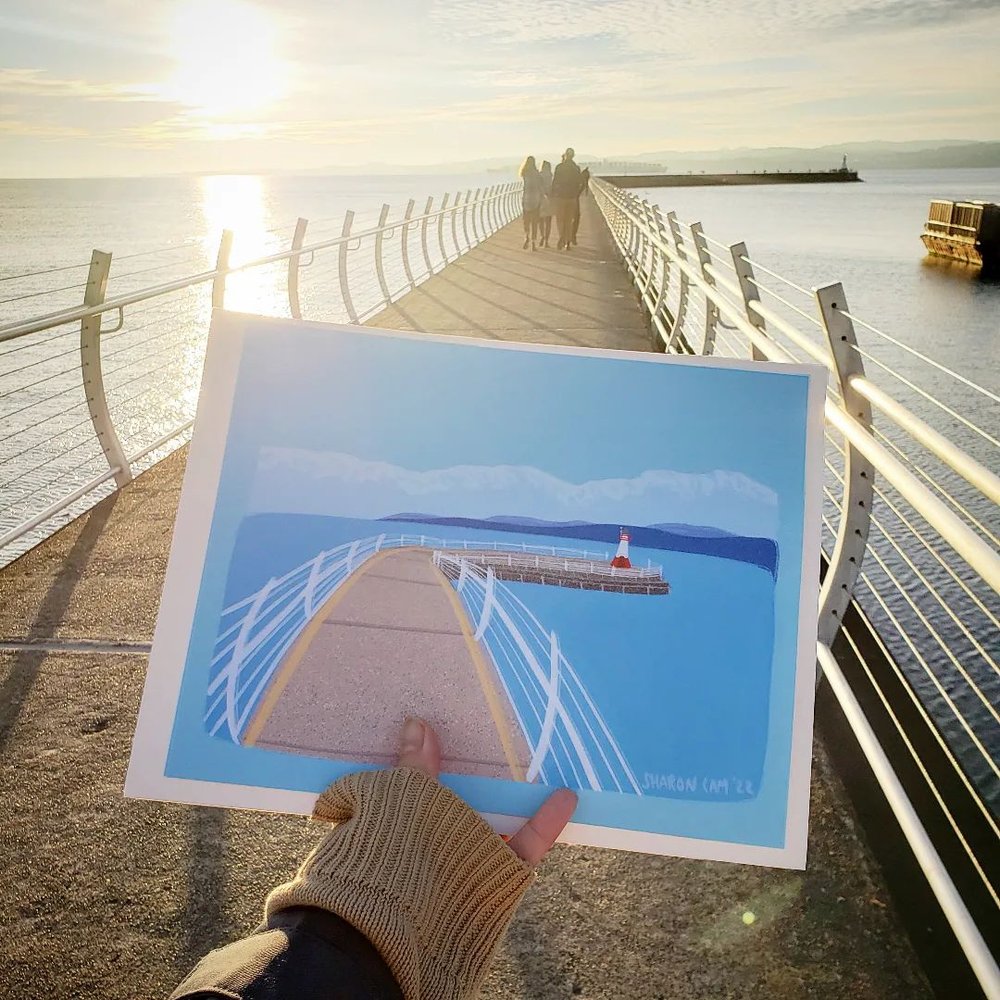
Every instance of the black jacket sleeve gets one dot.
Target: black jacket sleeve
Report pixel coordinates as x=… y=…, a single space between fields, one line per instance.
x=302 y=953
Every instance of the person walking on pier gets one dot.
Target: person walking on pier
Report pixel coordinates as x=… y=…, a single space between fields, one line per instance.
x=566 y=197
x=545 y=212
x=532 y=196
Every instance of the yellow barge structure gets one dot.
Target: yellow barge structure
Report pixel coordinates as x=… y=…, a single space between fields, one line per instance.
x=964 y=230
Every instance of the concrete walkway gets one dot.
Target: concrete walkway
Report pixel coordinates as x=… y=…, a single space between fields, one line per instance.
x=399 y=609
x=115 y=899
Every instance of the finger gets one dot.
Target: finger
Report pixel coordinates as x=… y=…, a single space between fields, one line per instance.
x=419 y=747
x=533 y=840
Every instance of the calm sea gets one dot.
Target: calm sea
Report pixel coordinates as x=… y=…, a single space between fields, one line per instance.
x=864 y=235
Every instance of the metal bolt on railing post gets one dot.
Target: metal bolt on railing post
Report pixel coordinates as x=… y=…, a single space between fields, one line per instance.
x=441 y=215
x=92 y=372
x=405 y=243
x=423 y=235
x=475 y=211
x=684 y=293
x=294 y=305
x=221 y=267
x=859 y=473
x=745 y=276
x=465 y=219
x=345 y=290
x=379 y=259
x=711 y=309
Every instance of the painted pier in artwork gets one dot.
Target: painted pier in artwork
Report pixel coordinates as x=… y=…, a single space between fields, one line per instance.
x=396 y=608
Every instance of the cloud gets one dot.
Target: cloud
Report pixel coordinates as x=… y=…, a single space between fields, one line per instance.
x=38 y=83
x=310 y=482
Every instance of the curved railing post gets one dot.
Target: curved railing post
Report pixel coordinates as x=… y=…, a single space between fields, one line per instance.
x=465 y=219
x=345 y=290
x=711 y=309
x=221 y=267
x=404 y=243
x=379 y=261
x=684 y=291
x=93 y=375
x=423 y=234
x=855 y=512
x=454 y=224
x=441 y=214
x=647 y=218
x=749 y=291
x=294 y=305
x=476 y=204
x=661 y=292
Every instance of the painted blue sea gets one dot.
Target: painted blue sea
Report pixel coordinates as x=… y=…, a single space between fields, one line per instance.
x=682 y=680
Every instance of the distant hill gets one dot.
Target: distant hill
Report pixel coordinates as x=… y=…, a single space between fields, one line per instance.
x=696 y=539
x=860 y=156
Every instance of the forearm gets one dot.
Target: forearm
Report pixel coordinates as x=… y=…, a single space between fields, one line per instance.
x=301 y=953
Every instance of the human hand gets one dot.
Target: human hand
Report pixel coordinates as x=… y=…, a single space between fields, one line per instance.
x=418 y=872
x=420 y=749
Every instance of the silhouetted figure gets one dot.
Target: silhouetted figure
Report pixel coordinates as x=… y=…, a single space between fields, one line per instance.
x=584 y=188
x=531 y=200
x=545 y=212
x=566 y=197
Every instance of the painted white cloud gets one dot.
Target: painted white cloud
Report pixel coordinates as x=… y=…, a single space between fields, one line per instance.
x=298 y=481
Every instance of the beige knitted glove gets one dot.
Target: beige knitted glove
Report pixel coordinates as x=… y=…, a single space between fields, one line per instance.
x=419 y=873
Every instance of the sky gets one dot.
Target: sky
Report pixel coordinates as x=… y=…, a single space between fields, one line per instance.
x=113 y=87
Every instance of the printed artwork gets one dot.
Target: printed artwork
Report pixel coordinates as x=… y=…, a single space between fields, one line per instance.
x=585 y=569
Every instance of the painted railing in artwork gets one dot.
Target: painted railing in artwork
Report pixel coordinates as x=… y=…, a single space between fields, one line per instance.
x=88 y=402
x=911 y=534
x=568 y=739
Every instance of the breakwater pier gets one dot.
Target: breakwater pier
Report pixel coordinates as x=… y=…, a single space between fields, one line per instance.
x=733 y=180
x=896 y=897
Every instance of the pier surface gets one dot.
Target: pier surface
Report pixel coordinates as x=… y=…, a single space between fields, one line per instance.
x=115 y=899
x=399 y=609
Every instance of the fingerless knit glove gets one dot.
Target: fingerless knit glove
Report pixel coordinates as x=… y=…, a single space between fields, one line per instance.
x=419 y=873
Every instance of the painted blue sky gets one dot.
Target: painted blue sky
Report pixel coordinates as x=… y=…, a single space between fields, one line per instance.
x=112 y=87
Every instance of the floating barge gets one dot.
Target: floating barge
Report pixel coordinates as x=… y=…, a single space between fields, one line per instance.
x=964 y=230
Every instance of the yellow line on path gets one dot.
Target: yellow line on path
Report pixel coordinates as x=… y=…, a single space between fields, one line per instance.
x=485 y=675
x=280 y=681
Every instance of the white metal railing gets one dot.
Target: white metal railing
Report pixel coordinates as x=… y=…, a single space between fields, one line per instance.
x=567 y=737
x=903 y=499
x=568 y=740
x=85 y=401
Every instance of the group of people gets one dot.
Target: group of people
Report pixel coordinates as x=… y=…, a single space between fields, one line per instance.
x=549 y=193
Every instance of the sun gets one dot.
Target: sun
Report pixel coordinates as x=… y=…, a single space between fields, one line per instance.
x=227 y=63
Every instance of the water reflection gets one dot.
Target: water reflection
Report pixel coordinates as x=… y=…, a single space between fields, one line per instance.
x=958 y=271
x=237 y=202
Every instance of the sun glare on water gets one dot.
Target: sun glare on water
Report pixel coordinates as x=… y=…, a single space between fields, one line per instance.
x=227 y=64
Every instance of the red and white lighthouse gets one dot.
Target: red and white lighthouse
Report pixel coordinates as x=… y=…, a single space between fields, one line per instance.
x=621 y=560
